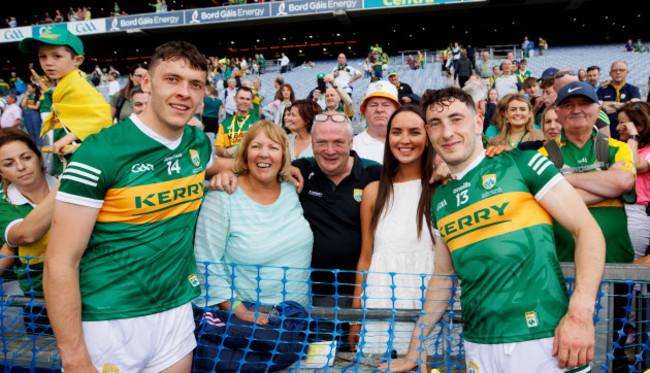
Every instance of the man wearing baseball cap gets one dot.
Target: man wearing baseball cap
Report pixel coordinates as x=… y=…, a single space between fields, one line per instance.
x=601 y=182
x=602 y=170
x=380 y=103
x=404 y=92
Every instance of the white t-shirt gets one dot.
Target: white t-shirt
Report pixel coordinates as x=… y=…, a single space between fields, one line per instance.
x=368 y=147
x=113 y=87
x=346 y=74
x=284 y=61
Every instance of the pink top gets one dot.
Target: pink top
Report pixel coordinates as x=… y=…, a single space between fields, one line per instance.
x=643 y=180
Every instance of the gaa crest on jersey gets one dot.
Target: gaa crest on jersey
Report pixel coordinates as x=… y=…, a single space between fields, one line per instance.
x=531 y=319
x=193 y=280
x=489 y=181
x=110 y=369
x=472 y=367
x=357 y=194
x=196 y=159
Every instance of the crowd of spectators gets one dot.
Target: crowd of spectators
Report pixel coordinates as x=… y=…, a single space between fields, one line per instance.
x=337 y=223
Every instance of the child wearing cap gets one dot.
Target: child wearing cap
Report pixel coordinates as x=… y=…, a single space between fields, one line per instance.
x=78 y=109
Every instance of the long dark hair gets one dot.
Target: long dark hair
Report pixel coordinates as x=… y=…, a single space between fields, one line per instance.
x=639 y=114
x=388 y=170
x=126 y=91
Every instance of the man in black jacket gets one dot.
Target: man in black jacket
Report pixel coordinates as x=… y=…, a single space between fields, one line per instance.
x=404 y=91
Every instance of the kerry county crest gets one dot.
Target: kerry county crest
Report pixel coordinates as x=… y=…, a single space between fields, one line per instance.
x=489 y=181
x=357 y=194
x=195 y=157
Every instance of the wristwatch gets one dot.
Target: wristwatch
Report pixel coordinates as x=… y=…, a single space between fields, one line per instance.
x=334 y=86
x=635 y=137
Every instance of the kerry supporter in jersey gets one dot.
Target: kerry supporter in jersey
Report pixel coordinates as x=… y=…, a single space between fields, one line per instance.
x=242 y=239
x=26 y=205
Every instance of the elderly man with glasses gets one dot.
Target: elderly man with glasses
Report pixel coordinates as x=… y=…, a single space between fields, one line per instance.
x=616 y=93
x=331 y=197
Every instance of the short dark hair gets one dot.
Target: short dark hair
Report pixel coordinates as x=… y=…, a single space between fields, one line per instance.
x=245 y=89
x=307 y=109
x=135 y=90
x=548 y=82
x=446 y=96
x=174 y=50
x=590 y=68
x=529 y=82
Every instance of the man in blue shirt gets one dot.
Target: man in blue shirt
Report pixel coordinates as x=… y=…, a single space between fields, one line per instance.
x=616 y=93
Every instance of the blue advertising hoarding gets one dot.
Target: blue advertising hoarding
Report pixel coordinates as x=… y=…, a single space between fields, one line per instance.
x=225 y=13
x=147 y=20
x=287 y=8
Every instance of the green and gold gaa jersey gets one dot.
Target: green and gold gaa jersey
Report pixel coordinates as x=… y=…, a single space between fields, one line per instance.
x=610 y=213
x=502 y=246
x=233 y=129
x=140 y=258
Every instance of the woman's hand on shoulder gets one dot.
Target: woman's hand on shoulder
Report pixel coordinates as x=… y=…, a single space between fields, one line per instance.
x=494 y=150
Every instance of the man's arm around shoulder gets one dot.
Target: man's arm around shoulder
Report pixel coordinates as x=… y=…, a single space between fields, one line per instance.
x=72 y=226
x=575 y=334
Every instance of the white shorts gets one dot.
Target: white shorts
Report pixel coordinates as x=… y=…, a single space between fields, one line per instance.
x=150 y=343
x=529 y=356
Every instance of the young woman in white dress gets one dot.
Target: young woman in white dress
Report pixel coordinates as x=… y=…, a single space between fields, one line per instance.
x=397 y=234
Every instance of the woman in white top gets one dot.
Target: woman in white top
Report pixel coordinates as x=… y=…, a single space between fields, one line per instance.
x=397 y=232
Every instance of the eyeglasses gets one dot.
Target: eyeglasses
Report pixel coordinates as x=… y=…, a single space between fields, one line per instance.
x=618 y=70
x=338 y=118
x=561 y=74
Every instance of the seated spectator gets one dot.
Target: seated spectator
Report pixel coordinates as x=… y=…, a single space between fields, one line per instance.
x=518 y=125
x=284 y=98
x=629 y=47
x=638 y=46
x=121 y=106
x=634 y=127
x=411 y=63
x=224 y=236
x=299 y=120
x=26 y=205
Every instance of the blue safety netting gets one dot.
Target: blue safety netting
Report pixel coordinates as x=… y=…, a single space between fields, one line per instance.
x=315 y=336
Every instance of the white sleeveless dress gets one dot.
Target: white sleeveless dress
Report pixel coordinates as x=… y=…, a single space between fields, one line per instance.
x=400 y=269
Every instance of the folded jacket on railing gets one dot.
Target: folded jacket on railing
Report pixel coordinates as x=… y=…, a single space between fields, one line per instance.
x=227 y=343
